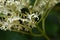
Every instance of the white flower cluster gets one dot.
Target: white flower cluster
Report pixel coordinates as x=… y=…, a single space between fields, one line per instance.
x=17 y=15
x=41 y=6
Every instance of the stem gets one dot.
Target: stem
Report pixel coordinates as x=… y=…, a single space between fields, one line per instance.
x=36 y=2
x=32 y=34
x=37 y=35
x=47 y=7
x=46 y=37
x=43 y=25
x=48 y=12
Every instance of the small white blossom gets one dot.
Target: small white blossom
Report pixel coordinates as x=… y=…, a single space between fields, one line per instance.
x=12 y=19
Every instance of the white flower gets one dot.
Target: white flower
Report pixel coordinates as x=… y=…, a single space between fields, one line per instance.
x=1 y=6
x=17 y=2
x=42 y=3
x=10 y=2
x=52 y=3
x=13 y=19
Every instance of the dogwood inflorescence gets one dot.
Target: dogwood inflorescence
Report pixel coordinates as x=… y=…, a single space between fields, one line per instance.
x=21 y=14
